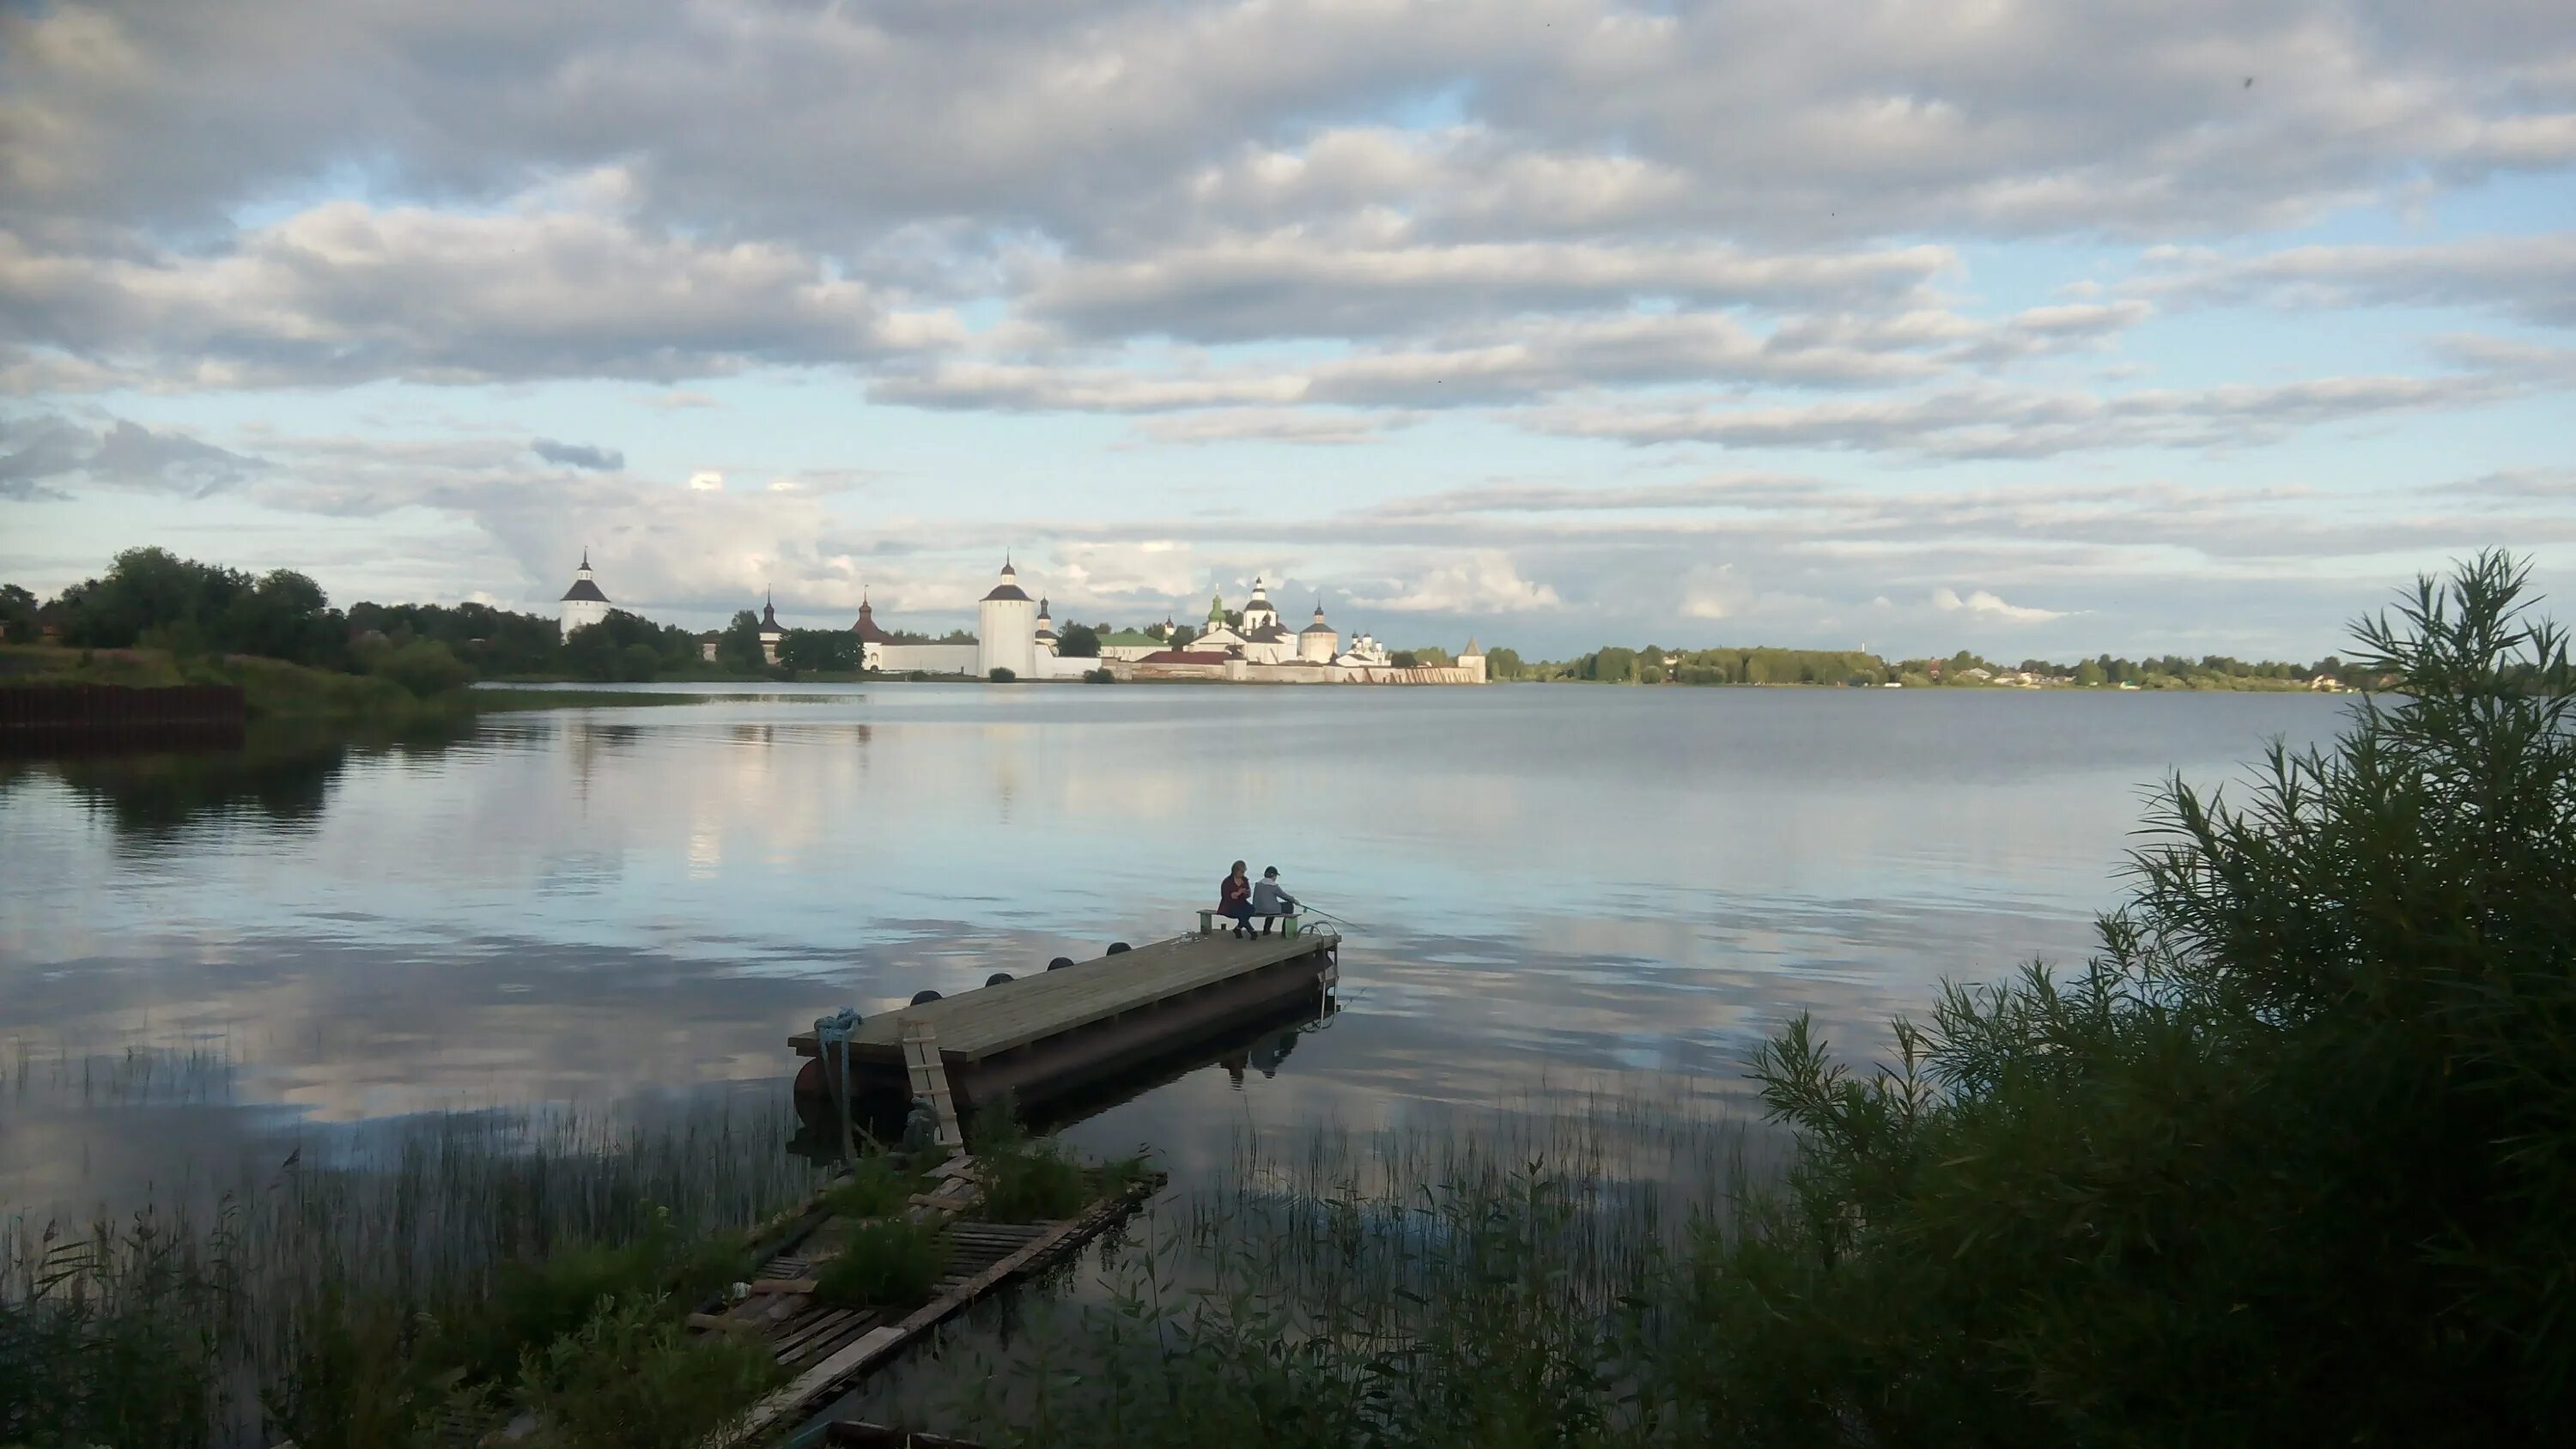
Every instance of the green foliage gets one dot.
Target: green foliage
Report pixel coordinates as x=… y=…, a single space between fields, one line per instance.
x=632 y=1378
x=18 y=621
x=105 y=1342
x=2287 y=1162
x=1505 y=664
x=424 y=668
x=1002 y=675
x=626 y=647
x=1099 y=676
x=1025 y=1179
x=738 y=647
x=351 y=1378
x=875 y=1188
x=889 y=1262
x=1078 y=641
x=823 y=649
x=150 y=596
x=1610 y=666
x=1404 y=659
x=492 y=643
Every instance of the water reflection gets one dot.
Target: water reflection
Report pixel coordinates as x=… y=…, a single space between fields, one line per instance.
x=1546 y=882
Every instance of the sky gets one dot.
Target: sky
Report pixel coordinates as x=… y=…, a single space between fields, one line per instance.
x=2033 y=328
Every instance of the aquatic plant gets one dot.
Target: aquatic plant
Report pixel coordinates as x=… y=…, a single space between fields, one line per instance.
x=887 y=1263
x=386 y=1268
x=631 y=1378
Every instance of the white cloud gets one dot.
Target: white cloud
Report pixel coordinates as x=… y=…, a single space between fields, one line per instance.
x=706 y=480
x=1984 y=603
x=1486 y=582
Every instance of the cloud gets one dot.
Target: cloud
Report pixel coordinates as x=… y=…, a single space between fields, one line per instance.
x=47 y=449
x=578 y=455
x=1993 y=421
x=2531 y=279
x=1486 y=582
x=1985 y=604
x=1321 y=426
x=706 y=480
x=345 y=292
x=1288 y=285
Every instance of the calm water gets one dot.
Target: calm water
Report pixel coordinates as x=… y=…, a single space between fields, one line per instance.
x=1546 y=884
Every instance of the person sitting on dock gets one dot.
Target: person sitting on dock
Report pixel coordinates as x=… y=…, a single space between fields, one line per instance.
x=1269 y=902
x=1234 y=900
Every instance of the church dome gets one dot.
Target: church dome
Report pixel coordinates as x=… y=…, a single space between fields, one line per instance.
x=1319 y=626
x=1008 y=590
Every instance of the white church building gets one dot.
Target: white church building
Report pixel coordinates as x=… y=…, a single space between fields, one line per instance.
x=583 y=603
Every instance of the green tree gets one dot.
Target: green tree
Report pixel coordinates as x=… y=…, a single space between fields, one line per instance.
x=2288 y=1161
x=1078 y=641
x=1611 y=666
x=806 y=650
x=17 y=614
x=1504 y=663
x=738 y=647
x=2090 y=674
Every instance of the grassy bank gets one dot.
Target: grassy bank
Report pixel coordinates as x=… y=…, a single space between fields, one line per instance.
x=276 y=690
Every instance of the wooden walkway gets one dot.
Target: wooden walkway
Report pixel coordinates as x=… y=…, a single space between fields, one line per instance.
x=829 y=1349
x=992 y=1019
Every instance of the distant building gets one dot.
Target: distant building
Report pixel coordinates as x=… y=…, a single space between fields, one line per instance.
x=583 y=603
x=1317 y=643
x=771 y=636
x=1129 y=644
x=707 y=643
x=1006 y=632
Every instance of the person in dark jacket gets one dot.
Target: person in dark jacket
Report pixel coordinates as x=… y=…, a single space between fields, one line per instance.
x=1234 y=900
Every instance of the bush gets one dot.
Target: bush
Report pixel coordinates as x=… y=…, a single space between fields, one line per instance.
x=1001 y=675
x=889 y=1263
x=424 y=667
x=1098 y=676
x=632 y=1378
x=2288 y=1162
x=1024 y=1181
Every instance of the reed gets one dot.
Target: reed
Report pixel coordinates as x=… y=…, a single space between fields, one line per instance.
x=369 y=1265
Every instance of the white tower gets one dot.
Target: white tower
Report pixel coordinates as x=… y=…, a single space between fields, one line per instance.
x=1472 y=659
x=1317 y=643
x=1046 y=640
x=1006 y=628
x=583 y=603
x=771 y=635
x=1257 y=612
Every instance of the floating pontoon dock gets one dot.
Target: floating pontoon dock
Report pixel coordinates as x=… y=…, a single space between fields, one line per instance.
x=1051 y=1031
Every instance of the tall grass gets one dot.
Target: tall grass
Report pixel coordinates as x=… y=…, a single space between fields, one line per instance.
x=1484 y=1272
x=290 y=1292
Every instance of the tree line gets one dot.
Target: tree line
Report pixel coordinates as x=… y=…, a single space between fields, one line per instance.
x=1654 y=664
x=151 y=598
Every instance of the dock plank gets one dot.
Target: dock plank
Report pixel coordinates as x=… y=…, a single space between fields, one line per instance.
x=989 y=1019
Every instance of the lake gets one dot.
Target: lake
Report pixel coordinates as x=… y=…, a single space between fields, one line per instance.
x=1545 y=885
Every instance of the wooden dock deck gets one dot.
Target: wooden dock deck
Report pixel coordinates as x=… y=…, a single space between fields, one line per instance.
x=1050 y=1031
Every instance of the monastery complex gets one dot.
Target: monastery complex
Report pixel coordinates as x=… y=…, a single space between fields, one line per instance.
x=1014 y=632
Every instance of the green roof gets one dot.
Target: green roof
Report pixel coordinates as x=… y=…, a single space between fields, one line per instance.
x=1125 y=637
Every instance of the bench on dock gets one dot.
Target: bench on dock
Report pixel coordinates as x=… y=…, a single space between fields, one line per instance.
x=1289 y=921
